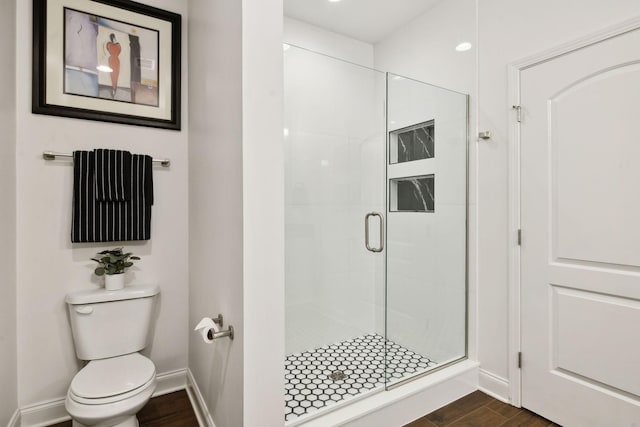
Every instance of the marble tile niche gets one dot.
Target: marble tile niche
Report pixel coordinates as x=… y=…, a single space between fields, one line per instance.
x=413 y=143
x=414 y=194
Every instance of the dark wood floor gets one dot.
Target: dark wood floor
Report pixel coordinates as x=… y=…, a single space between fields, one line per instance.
x=169 y=410
x=480 y=410
x=474 y=410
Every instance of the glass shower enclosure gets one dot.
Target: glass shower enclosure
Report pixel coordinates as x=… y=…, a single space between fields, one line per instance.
x=376 y=231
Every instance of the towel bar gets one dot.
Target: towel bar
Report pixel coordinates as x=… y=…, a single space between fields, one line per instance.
x=50 y=155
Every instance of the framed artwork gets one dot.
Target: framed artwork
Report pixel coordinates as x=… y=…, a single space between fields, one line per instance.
x=108 y=60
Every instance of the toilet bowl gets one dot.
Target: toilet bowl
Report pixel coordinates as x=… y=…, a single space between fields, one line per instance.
x=109 y=392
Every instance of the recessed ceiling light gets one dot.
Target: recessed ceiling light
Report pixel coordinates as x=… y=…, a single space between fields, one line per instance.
x=463 y=46
x=104 y=68
x=334 y=1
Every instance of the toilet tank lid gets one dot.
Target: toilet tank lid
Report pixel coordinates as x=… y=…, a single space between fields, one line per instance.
x=92 y=296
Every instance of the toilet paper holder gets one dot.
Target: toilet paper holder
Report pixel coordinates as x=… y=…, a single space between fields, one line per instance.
x=220 y=322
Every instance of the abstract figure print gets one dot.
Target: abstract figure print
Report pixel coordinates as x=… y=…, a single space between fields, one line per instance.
x=110 y=59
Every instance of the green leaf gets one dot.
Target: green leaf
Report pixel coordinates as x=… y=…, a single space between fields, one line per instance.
x=135 y=257
x=99 y=271
x=127 y=264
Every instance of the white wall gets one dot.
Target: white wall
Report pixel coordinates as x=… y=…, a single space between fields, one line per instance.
x=8 y=352
x=215 y=199
x=237 y=207
x=48 y=265
x=510 y=30
x=263 y=216
x=424 y=49
x=318 y=39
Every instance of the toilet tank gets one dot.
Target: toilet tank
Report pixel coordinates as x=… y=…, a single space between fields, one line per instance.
x=111 y=323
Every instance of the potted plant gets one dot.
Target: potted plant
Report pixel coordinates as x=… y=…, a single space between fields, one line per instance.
x=112 y=265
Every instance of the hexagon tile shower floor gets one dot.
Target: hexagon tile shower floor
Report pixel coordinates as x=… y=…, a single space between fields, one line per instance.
x=338 y=372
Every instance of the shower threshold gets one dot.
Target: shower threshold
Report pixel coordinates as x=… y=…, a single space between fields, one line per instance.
x=334 y=374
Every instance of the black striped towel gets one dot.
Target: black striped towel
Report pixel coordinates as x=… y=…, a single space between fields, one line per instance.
x=110 y=221
x=113 y=175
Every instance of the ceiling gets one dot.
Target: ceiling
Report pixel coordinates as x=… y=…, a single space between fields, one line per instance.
x=366 y=20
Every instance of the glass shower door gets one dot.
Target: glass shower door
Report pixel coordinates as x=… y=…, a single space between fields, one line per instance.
x=334 y=144
x=426 y=274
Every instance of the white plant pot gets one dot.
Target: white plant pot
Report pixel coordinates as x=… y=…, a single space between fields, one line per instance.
x=113 y=282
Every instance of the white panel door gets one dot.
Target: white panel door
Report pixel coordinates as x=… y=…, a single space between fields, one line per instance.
x=580 y=255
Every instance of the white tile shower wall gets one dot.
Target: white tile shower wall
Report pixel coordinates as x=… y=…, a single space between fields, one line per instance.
x=424 y=50
x=333 y=137
x=8 y=351
x=426 y=251
x=48 y=265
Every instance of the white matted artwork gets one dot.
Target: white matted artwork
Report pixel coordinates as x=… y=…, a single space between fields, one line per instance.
x=113 y=61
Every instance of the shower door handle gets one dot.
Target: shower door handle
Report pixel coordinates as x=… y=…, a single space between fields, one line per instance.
x=366 y=232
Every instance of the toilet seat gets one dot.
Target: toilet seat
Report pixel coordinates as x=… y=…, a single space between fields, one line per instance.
x=110 y=411
x=110 y=380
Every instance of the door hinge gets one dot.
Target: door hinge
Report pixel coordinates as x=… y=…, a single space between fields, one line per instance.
x=519 y=360
x=519 y=237
x=518 y=112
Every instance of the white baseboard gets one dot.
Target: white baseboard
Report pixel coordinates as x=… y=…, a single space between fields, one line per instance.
x=494 y=385
x=15 y=419
x=53 y=411
x=197 y=402
x=168 y=382
x=44 y=414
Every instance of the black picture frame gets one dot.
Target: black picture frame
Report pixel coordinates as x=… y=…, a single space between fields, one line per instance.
x=66 y=83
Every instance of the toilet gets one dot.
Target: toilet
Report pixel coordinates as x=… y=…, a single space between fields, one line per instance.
x=109 y=329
